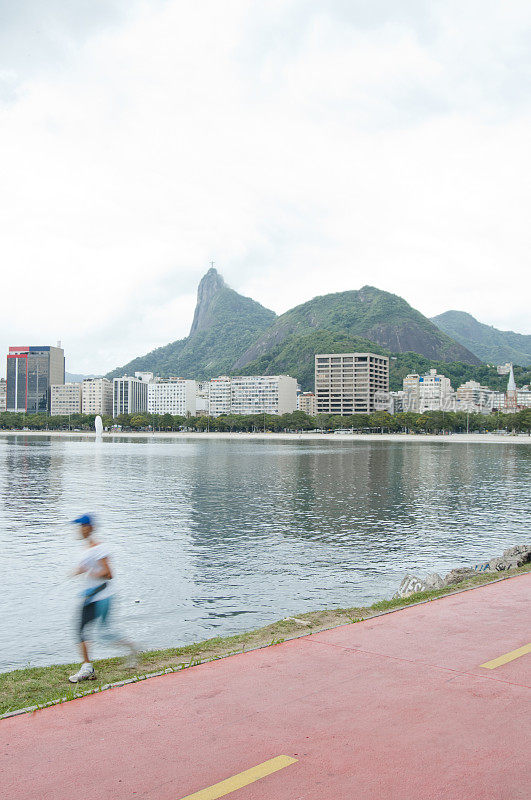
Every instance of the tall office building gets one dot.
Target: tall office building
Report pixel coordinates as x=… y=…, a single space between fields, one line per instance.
x=65 y=398
x=31 y=370
x=96 y=396
x=3 y=394
x=346 y=383
x=130 y=394
x=253 y=394
x=176 y=396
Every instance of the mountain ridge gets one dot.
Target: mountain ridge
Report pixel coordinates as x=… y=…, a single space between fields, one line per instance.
x=369 y=313
x=485 y=341
x=230 y=333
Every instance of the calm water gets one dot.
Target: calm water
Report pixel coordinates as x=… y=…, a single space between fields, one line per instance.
x=215 y=537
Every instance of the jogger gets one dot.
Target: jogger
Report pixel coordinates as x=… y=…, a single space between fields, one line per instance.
x=97 y=599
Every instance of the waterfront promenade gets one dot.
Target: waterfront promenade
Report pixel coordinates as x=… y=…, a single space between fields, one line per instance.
x=428 y=702
x=462 y=438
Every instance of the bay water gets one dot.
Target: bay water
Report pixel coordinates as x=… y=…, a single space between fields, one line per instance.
x=213 y=536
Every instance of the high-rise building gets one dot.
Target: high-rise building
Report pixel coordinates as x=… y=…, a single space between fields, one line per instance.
x=253 y=394
x=346 y=383
x=31 y=370
x=176 y=396
x=65 y=398
x=130 y=394
x=96 y=396
x=3 y=394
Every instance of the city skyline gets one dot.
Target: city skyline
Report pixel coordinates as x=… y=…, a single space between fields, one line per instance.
x=304 y=149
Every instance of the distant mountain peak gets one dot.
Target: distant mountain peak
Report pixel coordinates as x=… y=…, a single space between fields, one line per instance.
x=487 y=342
x=209 y=286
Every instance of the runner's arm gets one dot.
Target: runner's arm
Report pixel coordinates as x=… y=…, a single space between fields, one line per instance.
x=104 y=570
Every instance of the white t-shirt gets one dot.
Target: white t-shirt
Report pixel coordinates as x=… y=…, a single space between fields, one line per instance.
x=90 y=562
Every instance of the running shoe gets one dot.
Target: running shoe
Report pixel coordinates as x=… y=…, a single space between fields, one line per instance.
x=86 y=673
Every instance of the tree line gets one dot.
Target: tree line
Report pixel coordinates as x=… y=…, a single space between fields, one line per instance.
x=380 y=421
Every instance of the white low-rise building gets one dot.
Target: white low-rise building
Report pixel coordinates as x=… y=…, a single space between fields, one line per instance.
x=96 y=396
x=252 y=394
x=473 y=397
x=429 y=392
x=523 y=398
x=306 y=402
x=65 y=398
x=201 y=398
x=175 y=396
x=3 y=394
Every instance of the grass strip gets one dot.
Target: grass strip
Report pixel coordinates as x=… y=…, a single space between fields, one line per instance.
x=41 y=686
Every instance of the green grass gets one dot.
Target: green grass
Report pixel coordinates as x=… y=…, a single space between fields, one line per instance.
x=37 y=686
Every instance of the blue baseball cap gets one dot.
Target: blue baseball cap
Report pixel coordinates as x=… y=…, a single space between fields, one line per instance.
x=84 y=519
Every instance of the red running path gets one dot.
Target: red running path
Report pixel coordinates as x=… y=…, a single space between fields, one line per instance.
x=393 y=708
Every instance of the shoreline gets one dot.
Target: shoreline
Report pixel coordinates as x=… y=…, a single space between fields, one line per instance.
x=31 y=689
x=461 y=438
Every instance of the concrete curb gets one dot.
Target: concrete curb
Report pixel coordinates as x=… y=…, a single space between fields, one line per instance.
x=198 y=661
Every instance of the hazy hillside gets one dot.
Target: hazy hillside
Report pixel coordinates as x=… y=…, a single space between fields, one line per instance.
x=225 y=325
x=368 y=313
x=486 y=342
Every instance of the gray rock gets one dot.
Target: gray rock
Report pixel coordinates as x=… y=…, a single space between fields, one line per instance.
x=500 y=564
x=410 y=585
x=519 y=554
x=457 y=575
x=434 y=581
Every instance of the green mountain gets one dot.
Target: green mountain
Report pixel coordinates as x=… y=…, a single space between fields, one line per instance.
x=225 y=325
x=368 y=313
x=487 y=343
x=295 y=356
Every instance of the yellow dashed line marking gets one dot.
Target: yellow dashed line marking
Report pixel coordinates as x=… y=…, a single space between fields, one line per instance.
x=242 y=779
x=498 y=662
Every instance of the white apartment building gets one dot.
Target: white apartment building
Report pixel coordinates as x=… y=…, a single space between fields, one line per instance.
x=523 y=398
x=219 y=396
x=306 y=402
x=3 y=394
x=429 y=392
x=96 y=396
x=130 y=394
x=473 y=397
x=176 y=396
x=253 y=394
x=504 y=369
x=65 y=398
x=201 y=397
x=498 y=401
x=346 y=383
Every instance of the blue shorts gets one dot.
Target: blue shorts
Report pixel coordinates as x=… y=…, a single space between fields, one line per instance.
x=97 y=611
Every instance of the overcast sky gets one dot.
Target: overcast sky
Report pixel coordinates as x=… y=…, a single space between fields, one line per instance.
x=305 y=147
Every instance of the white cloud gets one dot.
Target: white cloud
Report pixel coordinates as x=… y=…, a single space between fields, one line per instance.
x=305 y=151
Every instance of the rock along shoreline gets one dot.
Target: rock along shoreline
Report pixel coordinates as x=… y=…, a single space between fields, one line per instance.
x=512 y=558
